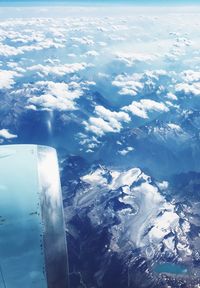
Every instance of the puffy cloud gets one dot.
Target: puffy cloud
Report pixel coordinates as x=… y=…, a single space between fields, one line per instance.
x=4 y=133
x=191 y=84
x=100 y=126
x=129 y=85
x=171 y=96
x=6 y=78
x=144 y=106
x=89 y=143
x=130 y=59
x=7 y=50
x=84 y=40
x=59 y=70
x=125 y=151
x=190 y=76
x=188 y=89
x=57 y=96
x=111 y=116
x=108 y=121
x=146 y=82
x=92 y=53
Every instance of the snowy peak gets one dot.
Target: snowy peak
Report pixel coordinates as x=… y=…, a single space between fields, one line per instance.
x=133 y=209
x=112 y=178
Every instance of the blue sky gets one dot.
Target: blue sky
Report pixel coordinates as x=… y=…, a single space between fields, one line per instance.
x=134 y=2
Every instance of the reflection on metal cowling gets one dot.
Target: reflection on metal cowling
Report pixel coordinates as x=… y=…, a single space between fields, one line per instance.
x=33 y=249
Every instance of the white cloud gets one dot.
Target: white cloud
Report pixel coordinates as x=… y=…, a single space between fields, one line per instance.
x=191 y=84
x=131 y=58
x=29 y=35
x=125 y=151
x=100 y=126
x=163 y=185
x=84 y=40
x=59 y=70
x=6 y=78
x=188 y=89
x=92 y=53
x=129 y=85
x=190 y=76
x=109 y=121
x=4 y=133
x=8 y=50
x=146 y=82
x=144 y=106
x=57 y=96
x=111 y=116
x=171 y=96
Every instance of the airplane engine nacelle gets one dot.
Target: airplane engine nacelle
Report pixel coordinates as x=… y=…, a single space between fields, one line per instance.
x=33 y=252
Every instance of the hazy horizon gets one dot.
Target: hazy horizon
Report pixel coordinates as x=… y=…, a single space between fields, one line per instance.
x=99 y=2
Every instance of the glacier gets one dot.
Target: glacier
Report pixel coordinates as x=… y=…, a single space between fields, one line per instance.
x=137 y=218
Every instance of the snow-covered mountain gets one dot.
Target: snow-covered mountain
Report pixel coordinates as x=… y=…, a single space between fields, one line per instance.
x=133 y=217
